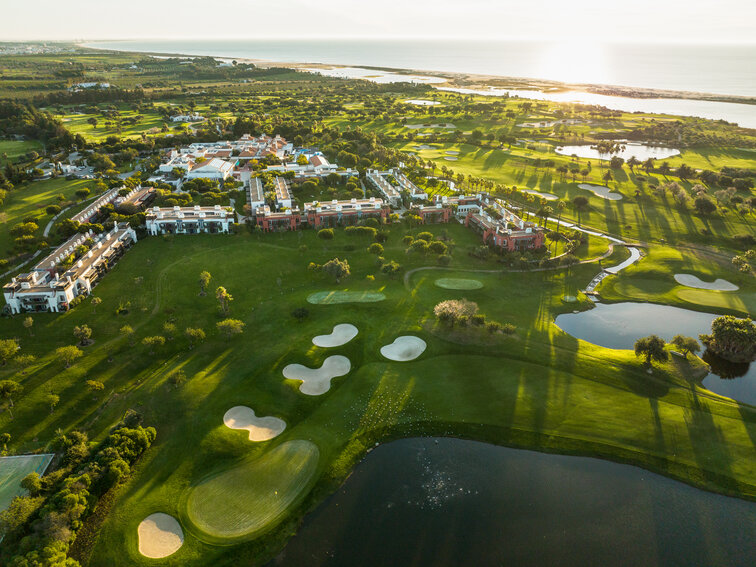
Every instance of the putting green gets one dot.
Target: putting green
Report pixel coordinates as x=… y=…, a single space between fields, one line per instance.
x=458 y=283
x=332 y=297
x=242 y=502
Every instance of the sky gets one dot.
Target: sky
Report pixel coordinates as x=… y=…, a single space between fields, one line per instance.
x=695 y=21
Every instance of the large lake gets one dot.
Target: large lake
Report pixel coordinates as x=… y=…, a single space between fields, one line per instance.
x=641 y=152
x=618 y=325
x=443 y=502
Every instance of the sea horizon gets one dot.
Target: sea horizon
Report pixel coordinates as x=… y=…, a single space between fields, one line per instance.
x=688 y=67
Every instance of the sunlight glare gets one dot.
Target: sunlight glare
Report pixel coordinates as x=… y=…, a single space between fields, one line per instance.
x=574 y=61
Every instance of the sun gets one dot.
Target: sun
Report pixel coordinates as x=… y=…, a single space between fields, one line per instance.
x=574 y=61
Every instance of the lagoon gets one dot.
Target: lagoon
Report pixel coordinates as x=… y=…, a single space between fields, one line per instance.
x=640 y=151
x=618 y=325
x=442 y=502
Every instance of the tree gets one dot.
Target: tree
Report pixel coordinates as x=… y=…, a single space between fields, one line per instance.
x=95 y=385
x=195 y=335
x=376 y=249
x=204 y=281
x=128 y=332
x=8 y=348
x=391 y=268
x=230 y=327
x=24 y=361
x=731 y=338
x=5 y=438
x=52 y=400
x=224 y=299
x=83 y=333
x=32 y=483
x=8 y=390
x=95 y=302
x=685 y=344
x=170 y=330
x=336 y=268
x=300 y=313
x=652 y=348
x=68 y=354
x=704 y=205
x=18 y=514
x=28 y=323
x=453 y=311
x=153 y=342
x=581 y=204
x=325 y=234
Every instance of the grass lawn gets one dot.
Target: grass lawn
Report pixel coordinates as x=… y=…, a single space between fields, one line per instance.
x=539 y=388
x=30 y=200
x=15 y=149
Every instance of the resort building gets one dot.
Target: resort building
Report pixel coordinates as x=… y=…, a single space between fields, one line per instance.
x=90 y=213
x=406 y=185
x=390 y=193
x=432 y=214
x=277 y=221
x=507 y=232
x=140 y=197
x=189 y=220
x=463 y=204
x=53 y=284
x=255 y=193
x=283 y=192
x=214 y=168
x=345 y=213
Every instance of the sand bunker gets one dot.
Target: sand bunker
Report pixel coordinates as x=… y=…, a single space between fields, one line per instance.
x=340 y=335
x=160 y=535
x=547 y=196
x=689 y=280
x=424 y=147
x=404 y=348
x=450 y=158
x=333 y=297
x=316 y=381
x=458 y=283
x=601 y=191
x=260 y=428
x=452 y=153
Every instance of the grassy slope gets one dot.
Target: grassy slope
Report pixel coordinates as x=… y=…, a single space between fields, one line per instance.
x=15 y=149
x=541 y=388
x=30 y=199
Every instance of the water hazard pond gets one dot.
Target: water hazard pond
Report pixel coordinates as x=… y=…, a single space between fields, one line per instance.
x=618 y=325
x=446 y=502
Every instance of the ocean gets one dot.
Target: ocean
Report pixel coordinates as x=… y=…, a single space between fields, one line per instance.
x=718 y=69
x=722 y=69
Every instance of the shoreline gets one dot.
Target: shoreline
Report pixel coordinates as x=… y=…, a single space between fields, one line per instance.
x=482 y=82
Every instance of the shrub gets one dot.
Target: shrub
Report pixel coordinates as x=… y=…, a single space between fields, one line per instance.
x=325 y=234
x=375 y=248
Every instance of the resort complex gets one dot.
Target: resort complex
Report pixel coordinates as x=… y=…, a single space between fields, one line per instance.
x=305 y=315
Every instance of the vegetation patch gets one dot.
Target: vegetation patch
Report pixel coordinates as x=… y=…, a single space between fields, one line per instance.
x=250 y=498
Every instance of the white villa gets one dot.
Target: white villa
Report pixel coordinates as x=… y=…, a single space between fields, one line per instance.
x=51 y=287
x=189 y=220
x=215 y=168
x=194 y=117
